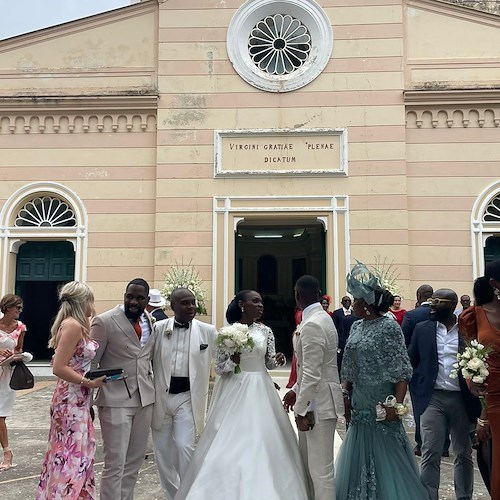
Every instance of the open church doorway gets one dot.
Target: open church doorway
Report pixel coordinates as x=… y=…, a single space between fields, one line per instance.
x=42 y=267
x=270 y=257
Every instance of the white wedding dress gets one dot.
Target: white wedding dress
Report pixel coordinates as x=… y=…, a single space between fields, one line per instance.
x=248 y=450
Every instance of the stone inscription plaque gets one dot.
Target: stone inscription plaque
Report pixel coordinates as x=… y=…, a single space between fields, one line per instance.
x=272 y=152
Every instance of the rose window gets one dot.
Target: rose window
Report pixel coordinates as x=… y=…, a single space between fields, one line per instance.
x=279 y=44
x=46 y=212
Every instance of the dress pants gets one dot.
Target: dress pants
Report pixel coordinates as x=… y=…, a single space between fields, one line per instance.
x=174 y=442
x=316 y=448
x=447 y=410
x=125 y=433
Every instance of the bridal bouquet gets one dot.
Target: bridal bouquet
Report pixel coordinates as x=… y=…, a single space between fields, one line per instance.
x=234 y=339
x=472 y=363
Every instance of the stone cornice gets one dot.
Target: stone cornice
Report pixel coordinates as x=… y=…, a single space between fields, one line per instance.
x=61 y=104
x=454 y=10
x=59 y=30
x=424 y=97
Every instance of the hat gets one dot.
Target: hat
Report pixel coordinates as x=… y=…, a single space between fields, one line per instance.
x=155 y=298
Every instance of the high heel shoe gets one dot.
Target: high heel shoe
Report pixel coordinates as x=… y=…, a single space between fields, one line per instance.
x=6 y=465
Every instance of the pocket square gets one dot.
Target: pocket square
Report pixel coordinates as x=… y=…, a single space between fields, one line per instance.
x=203 y=347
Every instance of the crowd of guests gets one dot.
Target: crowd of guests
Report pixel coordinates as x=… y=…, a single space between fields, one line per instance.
x=357 y=361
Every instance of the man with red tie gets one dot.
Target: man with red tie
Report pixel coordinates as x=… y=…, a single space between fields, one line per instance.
x=125 y=338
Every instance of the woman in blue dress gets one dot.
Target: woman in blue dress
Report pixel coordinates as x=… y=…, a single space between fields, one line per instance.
x=376 y=460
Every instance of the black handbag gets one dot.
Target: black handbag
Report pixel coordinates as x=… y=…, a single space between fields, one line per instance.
x=21 y=377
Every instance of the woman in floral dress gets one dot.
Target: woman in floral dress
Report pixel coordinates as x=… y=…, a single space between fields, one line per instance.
x=11 y=341
x=68 y=467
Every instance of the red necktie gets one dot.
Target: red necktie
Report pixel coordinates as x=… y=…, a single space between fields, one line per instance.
x=137 y=328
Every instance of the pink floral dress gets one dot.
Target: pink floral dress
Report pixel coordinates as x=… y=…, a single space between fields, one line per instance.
x=68 y=466
x=7 y=395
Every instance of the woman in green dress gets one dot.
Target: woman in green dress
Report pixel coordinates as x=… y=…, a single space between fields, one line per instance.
x=376 y=460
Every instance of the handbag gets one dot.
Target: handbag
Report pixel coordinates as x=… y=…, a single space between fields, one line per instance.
x=21 y=377
x=111 y=374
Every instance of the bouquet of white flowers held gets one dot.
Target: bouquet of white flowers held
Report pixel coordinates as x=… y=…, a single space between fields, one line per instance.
x=234 y=339
x=472 y=363
x=185 y=277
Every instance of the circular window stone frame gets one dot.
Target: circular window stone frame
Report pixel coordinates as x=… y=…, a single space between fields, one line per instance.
x=250 y=13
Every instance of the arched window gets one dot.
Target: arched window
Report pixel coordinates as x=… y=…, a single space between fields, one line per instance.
x=45 y=211
x=485 y=228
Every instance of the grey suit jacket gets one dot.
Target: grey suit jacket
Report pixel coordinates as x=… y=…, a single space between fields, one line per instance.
x=119 y=347
x=202 y=342
x=315 y=345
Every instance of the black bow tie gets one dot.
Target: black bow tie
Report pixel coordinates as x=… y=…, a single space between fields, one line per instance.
x=181 y=325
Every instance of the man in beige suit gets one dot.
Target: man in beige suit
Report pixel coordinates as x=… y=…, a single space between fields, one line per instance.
x=317 y=391
x=125 y=338
x=182 y=359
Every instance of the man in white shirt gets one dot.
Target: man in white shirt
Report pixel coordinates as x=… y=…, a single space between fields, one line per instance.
x=440 y=401
x=181 y=363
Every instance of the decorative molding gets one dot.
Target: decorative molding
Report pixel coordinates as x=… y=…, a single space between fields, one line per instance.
x=453 y=116
x=70 y=123
x=425 y=97
x=51 y=103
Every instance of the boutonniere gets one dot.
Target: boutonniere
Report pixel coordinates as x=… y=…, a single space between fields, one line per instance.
x=168 y=333
x=297 y=333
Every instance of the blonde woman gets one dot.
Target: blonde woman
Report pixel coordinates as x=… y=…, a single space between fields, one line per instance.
x=11 y=342
x=68 y=467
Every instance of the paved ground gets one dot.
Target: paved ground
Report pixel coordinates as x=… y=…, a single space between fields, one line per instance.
x=28 y=430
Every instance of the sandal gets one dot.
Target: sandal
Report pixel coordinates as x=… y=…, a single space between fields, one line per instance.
x=4 y=466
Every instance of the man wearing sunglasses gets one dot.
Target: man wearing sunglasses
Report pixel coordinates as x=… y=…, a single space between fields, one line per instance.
x=439 y=400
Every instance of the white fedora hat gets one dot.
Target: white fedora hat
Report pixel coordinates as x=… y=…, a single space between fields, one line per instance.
x=155 y=298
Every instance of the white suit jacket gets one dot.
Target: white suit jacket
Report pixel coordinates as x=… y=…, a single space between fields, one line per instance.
x=200 y=358
x=315 y=344
x=119 y=347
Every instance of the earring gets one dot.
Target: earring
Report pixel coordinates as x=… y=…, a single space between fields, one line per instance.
x=367 y=312
x=242 y=310
x=496 y=291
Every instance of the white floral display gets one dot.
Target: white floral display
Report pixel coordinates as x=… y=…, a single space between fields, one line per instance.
x=181 y=276
x=234 y=339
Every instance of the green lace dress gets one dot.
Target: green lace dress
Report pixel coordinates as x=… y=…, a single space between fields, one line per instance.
x=376 y=460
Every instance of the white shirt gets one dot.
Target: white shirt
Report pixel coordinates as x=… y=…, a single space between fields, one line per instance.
x=347 y=312
x=447 y=349
x=180 y=351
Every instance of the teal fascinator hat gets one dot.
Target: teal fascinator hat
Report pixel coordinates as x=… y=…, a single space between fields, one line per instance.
x=361 y=283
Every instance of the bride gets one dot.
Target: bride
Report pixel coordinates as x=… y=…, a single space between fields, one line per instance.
x=248 y=449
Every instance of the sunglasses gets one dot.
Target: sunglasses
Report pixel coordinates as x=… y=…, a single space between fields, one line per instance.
x=436 y=301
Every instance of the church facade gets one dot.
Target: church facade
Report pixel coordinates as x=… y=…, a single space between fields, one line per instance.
x=254 y=140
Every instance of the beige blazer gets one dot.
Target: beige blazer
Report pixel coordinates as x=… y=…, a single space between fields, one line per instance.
x=200 y=358
x=119 y=347
x=315 y=344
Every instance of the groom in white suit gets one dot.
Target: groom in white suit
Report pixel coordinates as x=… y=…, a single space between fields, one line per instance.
x=181 y=363
x=317 y=391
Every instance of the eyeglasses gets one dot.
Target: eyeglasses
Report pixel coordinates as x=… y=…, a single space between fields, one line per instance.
x=435 y=301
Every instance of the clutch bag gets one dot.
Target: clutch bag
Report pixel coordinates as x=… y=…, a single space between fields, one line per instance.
x=110 y=373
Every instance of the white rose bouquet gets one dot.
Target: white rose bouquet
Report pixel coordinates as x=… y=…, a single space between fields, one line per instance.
x=234 y=339
x=472 y=364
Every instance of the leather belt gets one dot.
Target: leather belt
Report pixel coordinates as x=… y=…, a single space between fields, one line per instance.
x=178 y=385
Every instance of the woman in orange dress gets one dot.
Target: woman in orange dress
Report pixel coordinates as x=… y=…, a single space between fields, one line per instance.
x=482 y=322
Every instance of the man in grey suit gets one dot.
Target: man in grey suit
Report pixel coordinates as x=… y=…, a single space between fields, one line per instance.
x=182 y=359
x=318 y=391
x=125 y=338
